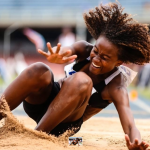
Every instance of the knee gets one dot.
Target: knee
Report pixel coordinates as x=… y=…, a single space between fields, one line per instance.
x=38 y=73
x=81 y=82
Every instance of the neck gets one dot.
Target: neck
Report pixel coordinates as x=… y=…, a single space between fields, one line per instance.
x=98 y=78
x=109 y=73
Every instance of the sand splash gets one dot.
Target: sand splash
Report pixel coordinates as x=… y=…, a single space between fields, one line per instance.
x=9 y=126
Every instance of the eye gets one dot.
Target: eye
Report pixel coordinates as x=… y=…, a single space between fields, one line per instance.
x=103 y=57
x=95 y=50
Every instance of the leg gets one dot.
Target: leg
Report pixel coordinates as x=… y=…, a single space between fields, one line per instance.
x=29 y=86
x=69 y=104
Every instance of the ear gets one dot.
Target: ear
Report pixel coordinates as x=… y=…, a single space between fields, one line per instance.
x=119 y=63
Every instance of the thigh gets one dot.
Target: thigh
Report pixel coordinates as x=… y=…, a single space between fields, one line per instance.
x=33 y=85
x=36 y=111
x=78 y=113
x=45 y=85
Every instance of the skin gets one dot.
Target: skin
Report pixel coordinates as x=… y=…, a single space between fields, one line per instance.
x=66 y=108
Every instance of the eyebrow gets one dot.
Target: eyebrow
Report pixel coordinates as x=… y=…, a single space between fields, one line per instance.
x=104 y=54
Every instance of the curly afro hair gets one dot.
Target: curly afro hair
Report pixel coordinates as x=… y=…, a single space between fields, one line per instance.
x=131 y=37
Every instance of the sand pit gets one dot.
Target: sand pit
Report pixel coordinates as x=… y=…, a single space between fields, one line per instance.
x=97 y=134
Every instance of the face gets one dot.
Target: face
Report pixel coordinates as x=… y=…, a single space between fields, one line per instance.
x=104 y=57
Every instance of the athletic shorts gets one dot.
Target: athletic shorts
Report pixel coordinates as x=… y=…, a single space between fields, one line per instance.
x=36 y=112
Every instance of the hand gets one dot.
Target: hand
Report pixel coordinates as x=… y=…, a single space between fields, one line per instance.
x=136 y=145
x=55 y=57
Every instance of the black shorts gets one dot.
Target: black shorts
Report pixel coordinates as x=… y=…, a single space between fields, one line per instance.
x=36 y=112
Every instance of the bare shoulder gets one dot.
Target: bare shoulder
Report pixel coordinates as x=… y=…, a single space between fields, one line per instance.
x=82 y=45
x=117 y=89
x=82 y=48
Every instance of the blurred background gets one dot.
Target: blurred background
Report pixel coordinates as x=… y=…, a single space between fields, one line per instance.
x=26 y=25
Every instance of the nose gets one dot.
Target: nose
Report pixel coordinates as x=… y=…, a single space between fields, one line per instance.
x=97 y=59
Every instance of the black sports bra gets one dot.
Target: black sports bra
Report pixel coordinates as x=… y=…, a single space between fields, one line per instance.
x=95 y=99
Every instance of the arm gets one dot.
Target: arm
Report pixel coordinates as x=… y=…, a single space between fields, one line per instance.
x=78 y=50
x=121 y=102
x=89 y=112
x=120 y=99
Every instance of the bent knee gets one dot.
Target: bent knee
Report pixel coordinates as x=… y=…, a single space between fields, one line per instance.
x=39 y=73
x=81 y=81
x=37 y=69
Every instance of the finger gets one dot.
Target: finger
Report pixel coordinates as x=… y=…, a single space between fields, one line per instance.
x=58 y=48
x=70 y=59
x=146 y=146
x=43 y=53
x=66 y=53
x=49 y=48
x=127 y=140
x=142 y=144
x=136 y=142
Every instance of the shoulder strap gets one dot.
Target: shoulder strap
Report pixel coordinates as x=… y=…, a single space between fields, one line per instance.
x=108 y=79
x=80 y=65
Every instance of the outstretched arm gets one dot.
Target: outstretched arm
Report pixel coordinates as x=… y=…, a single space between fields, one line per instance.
x=121 y=102
x=60 y=55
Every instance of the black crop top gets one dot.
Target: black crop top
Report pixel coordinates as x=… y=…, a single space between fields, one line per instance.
x=95 y=99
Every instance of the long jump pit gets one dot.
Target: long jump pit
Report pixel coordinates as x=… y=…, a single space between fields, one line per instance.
x=17 y=133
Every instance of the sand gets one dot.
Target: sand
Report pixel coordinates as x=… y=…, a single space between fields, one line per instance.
x=17 y=133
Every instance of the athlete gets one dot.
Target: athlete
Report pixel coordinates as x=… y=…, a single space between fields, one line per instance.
x=94 y=78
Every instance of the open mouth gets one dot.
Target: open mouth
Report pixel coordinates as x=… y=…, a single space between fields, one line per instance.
x=95 y=65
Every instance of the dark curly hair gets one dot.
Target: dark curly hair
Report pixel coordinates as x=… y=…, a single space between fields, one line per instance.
x=131 y=37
